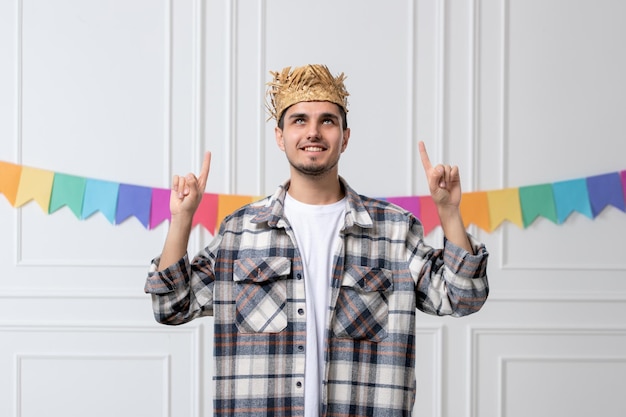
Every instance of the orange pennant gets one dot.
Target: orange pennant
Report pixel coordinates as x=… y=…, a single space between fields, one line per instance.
x=10 y=180
x=35 y=184
x=227 y=203
x=505 y=205
x=475 y=210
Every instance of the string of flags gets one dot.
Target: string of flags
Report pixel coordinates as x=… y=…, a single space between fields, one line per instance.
x=150 y=206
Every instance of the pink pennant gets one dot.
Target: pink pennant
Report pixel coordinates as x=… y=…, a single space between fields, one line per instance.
x=160 y=207
x=411 y=204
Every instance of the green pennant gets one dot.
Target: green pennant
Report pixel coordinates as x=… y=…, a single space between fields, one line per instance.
x=537 y=200
x=68 y=190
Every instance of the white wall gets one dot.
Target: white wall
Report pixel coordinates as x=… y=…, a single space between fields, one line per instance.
x=516 y=92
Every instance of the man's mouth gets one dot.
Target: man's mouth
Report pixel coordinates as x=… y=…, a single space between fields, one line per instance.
x=313 y=149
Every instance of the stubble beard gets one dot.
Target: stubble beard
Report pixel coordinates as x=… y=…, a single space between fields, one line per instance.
x=314 y=170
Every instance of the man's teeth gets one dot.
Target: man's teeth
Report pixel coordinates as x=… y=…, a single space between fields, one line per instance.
x=313 y=149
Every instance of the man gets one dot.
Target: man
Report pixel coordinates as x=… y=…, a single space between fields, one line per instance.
x=314 y=289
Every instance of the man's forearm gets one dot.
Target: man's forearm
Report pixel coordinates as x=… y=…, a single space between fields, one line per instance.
x=454 y=229
x=176 y=242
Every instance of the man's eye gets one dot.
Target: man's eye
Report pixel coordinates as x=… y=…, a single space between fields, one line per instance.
x=299 y=121
x=329 y=121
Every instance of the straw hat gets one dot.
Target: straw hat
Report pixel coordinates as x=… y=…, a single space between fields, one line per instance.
x=307 y=83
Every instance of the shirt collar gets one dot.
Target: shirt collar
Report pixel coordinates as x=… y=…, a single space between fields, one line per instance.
x=273 y=211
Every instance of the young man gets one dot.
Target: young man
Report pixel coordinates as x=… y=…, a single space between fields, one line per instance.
x=314 y=289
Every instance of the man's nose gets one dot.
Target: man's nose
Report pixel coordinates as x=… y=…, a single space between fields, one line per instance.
x=314 y=131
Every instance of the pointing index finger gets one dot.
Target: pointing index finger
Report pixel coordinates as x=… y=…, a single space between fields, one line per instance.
x=424 y=155
x=204 y=171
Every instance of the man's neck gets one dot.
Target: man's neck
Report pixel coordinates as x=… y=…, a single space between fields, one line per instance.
x=326 y=189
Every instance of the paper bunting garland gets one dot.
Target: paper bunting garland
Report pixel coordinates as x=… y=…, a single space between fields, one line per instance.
x=150 y=206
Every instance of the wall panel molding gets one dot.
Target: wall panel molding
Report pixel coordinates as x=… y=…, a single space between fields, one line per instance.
x=486 y=358
x=167 y=144
x=230 y=137
x=71 y=294
x=162 y=361
x=261 y=115
x=494 y=50
x=544 y=296
x=435 y=379
x=412 y=102
x=506 y=362
x=176 y=351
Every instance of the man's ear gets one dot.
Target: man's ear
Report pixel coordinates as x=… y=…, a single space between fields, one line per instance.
x=279 y=138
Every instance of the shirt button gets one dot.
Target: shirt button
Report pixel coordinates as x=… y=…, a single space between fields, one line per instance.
x=298 y=276
x=299 y=384
x=300 y=348
x=301 y=311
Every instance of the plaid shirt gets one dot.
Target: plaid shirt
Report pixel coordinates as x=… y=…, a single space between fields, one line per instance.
x=250 y=278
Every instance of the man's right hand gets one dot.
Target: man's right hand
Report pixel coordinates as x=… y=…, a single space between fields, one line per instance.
x=185 y=198
x=187 y=190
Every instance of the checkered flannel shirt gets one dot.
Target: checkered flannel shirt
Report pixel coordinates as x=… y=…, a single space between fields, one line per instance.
x=250 y=278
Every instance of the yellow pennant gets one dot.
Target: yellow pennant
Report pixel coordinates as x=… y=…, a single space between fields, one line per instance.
x=35 y=184
x=504 y=205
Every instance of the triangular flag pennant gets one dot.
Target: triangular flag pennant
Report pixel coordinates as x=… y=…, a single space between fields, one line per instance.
x=35 y=184
x=133 y=200
x=570 y=196
x=411 y=204
x=623 y=176
x=227 y=203
x=206 y=214
x=605 y=190
x=504 y=205
x=68 y=190
x=100 y=196
x=475 y=210
x=537 y=200
x=429 y=216
x=10 y=180
x=160 y=206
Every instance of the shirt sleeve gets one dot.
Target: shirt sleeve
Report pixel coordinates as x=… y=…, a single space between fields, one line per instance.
x=449 y=281
x=182 y=291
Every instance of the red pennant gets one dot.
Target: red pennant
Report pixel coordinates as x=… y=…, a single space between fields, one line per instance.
x=429 y=214
x=206 y=214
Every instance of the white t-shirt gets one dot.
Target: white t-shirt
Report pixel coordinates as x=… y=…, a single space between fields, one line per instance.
x=316 y=228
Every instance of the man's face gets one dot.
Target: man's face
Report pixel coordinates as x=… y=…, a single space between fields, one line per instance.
x=312 y=137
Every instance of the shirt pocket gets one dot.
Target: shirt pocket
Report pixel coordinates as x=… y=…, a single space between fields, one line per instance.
x=362 y=310
x=261 y=294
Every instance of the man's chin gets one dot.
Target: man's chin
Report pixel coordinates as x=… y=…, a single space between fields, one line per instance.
x=311 y=170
